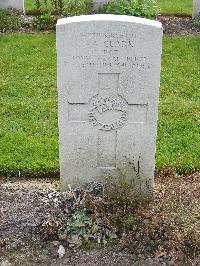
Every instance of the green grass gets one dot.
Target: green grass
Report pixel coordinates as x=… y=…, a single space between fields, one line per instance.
x=175 y=6
x=29 y=132
x=178 y=134
x=29 y=5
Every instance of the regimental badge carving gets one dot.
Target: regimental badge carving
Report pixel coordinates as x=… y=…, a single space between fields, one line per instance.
x=108 y=113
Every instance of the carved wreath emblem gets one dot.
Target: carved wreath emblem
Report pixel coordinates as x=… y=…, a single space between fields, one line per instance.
x=108 y=113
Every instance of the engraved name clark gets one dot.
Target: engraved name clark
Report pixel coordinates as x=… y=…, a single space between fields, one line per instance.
x=108 y=108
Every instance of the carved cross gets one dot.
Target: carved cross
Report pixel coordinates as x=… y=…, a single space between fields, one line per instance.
x=107 y=112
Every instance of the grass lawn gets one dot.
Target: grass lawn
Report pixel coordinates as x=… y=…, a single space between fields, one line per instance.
x=29 y=131
x=29 y=5
x=175 y=6
x=166 y=6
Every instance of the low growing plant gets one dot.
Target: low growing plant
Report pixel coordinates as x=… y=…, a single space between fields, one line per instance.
x=64 y=7
x=139 y=8
x=79 y=226
x=78 y=7
x=9 y=22
x=38 y=4
x=59 y=5
x=44 y=6
x=44 y=22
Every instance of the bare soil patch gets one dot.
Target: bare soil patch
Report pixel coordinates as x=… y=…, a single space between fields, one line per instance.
x=176 y=25
x=167 y=232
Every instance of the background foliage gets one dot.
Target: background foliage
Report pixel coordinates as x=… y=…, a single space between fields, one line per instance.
x=138 y=8
x=166 y=6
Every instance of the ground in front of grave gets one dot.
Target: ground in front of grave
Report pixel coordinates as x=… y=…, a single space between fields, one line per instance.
x=29 y=205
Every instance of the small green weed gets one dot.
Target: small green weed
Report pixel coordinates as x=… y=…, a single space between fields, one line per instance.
x=80 y=229
x=80 y=223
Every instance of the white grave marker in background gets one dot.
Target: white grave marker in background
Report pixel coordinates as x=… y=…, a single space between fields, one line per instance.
x=196 y=8
x=17 y=4
x=108 y=86
x=99 y=3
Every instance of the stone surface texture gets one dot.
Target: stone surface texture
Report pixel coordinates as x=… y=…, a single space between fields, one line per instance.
x=17 y=4
x=196 y=8
x=108 y=87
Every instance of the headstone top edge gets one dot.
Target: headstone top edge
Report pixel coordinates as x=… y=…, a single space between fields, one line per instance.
x=109 y=17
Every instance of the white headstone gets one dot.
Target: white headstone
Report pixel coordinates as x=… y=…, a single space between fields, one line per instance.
x=99 y=3
x=196 y=8
x=108 y=86
x=17 y=4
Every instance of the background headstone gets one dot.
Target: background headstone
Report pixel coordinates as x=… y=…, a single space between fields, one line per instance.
x=196 y=8
x=17 y=4
x=108 y=86
x=99 y=3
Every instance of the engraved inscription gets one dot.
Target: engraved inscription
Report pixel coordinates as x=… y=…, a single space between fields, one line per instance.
x=108 y=113
x=110 y=46
x=118 y=44
x=107 y=35
x=109 y=60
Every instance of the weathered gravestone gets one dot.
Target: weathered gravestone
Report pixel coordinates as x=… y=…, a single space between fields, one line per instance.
x=196 y=8
x=108 y=86
x=17 y=4
x=99 y=3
